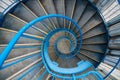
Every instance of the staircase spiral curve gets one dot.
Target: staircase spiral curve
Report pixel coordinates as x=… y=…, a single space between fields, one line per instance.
x=52 y=40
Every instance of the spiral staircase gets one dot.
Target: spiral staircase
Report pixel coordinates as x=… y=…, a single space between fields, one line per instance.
x=57 y=40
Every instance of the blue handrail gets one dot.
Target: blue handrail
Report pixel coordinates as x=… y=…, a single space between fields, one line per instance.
x=9 y=6
x=8 y=49
x=73 y=53
x=119 y=1
x=11 y=44
x=113 y=68
x=106 y=28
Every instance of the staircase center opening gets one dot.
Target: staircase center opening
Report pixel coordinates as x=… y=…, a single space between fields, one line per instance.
x=65 y=46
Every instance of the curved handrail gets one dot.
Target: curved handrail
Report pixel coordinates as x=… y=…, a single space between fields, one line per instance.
x=73 y=53
x=9 y=6
x=7 y=50
x=11 y=44
x=106 y=27
x=98 y=75
x=82 y=76
x=112 y=69
x=108 y=37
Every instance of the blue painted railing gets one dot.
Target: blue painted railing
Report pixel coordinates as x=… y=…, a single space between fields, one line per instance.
x=112 y=69
x=7 y=50
x=9 y=6
x=7 y=9
x=11 y=44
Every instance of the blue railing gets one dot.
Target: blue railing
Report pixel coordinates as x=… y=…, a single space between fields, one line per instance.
x=11 y=44
x=8 y=49
x=12 y=3
x=112 y=69
x=9 y=6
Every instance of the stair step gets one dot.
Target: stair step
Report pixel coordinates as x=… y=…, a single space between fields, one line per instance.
x=25 y=35
x=43 y=76
x=18 y=24
x=37 y=7
x=60 y=9
x=114 y=29
x=103 y=74
x=11 y=33
x=40 y=72
x=15 y=70
x=88 y=13
x=34 y=6
x=59 y=6
x=111 y=60
x=83 y=57
x=52 y=54
x=25 y=61
x=68 y=63
x=91 y=77
x=49 y=10
x=93 y=22
x=10 y=20
x=69 y=7
x=95 y=48
x=14 y=56
x=96 y=31
x=25 y=13
x=100 y=39
x=114 y=43
x=27 y=18
x=114 y=26
x=35 y=77
x=30 y=73
x=28 y=45
x=94 y=56
x=79 y=9
x=115 y=52
x=105 y=68
x=9 y=36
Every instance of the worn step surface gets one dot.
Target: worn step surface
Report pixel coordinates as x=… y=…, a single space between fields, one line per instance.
x=25 y=59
